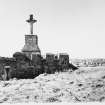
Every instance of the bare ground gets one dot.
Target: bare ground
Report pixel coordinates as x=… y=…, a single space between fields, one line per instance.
x=86 y=84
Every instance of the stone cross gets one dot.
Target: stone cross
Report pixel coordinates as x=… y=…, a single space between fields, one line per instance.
x=31 y=21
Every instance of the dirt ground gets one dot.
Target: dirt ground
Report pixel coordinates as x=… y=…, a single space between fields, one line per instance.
x=87 y=84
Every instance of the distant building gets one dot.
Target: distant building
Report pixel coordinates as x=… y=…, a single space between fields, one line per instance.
x=89 y=62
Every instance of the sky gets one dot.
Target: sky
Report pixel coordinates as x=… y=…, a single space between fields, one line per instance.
x=76 y=27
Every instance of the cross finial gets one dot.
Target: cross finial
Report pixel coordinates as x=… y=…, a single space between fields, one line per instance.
x=31 y=20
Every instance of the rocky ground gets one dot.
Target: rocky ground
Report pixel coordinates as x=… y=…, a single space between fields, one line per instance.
x=83 y=85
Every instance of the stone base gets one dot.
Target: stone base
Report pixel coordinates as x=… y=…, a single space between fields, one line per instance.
x=31 y=45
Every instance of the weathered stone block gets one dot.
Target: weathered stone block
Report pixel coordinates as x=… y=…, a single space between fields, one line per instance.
x=49 y=58
x=64 y=61
x=31 y=45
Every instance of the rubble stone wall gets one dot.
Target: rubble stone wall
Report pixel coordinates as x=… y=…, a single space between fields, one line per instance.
x=22 y=67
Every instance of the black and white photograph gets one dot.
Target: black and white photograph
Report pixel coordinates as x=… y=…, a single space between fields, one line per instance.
x=52 y=51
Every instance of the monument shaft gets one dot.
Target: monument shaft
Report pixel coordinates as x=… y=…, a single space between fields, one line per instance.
x=31 y=28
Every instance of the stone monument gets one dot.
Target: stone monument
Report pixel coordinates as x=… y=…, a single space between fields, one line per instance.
x=31 y=41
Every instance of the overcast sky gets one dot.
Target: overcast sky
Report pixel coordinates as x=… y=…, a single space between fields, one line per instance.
x=73 y=26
